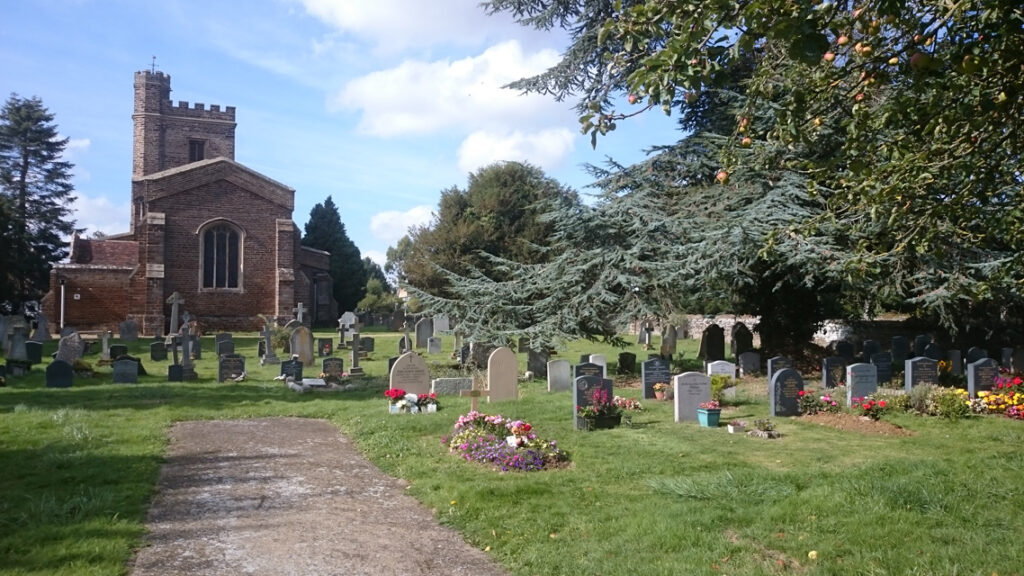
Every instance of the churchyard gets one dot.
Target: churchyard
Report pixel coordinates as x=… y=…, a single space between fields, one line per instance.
x=659 y=491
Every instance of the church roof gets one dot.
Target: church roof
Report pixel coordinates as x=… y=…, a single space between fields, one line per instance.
x=173 y=180
x=104 y=252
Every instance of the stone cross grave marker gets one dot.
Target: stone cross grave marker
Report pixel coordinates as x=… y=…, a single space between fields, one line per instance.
x=175 y=300
x=644 y=336
x=268 y=335
x=861 y=381
x=502 y=375
x=188 y=370
x=654 y=371
x=690 y=389
x=356 y=369
x=981 y=375
x=559 y=375
x=920 y=370
x=784 y=393
x=299 y=311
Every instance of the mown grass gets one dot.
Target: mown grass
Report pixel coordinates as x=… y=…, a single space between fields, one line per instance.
x=78 y=466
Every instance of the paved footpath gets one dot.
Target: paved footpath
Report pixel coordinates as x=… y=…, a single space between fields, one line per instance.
x=283 y=496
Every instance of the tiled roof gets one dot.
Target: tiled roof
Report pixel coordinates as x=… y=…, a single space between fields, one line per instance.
x=105 y=252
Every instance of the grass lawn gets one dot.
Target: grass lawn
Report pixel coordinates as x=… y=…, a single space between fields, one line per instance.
x=78 y=466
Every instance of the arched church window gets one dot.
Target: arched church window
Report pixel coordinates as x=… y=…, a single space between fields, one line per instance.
x=221 y=257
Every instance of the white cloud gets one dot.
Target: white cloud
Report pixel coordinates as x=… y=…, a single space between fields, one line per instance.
x=99 y=213
x=77 y=146
x=418 y=97
x=546 y=148
x=390 y=226
x=377 y=256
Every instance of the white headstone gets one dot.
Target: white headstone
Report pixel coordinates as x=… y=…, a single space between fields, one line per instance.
x=559 y=376
x=861 y=381
x=601 y=361
x=502 y=375
x=691 y=389
x=410 y=373
x=441 y=324
x=722 y=367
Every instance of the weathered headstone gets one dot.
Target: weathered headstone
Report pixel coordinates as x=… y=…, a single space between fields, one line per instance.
x=59 y=374
x=653 y=371
x=861 y=381
x=332 y=368
x=883 y=363
x=16 y=344
x=742 y=339
x=920 y=370
x=920 y=342
x=522 y=345
x=833 y=370
x=784 y=393
x=583 y=393
x=34 y=352
x=843 y=349
x=690 y=389
x=424 y=330
x=559 y=375
x=404 y=345
x=175 y=300
x=410 y=373
x=712 y=344
x=778 y=363
x=981 y=375
x=450 y=386
x=230 y=366
x=502 y=375
x=1006 y=357
x=1018 y=360
x=934 y=351
x=601 y=361
x=222 y=337
x=956 y=362
x=348 y=319
x=626 y=363
x=869 y=348
x=128 y=331
x=42 y=331
x=367 y=343
x=158 y=351
x=301 y=344
x=433 y=345
x=900 y=349
x=644 y=336
x=722 y=368
x=587 y=369
x=267 y=335
x=537 y=362
x=125 y=371
x=118 y=350
x=292 y=368
x=441 y=324
x=225 y=347
x=750 y=363
x=324 y=347
x=669 y=339
x=70 y=348
x=105 y=338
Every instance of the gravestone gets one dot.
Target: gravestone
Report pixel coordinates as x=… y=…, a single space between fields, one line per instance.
x=537 y=362
x=292 y=368
x=433 y=345
x=479 y=353
x=188 y=369
x=158 y=352
x=920 y=342
x=441 y=324
x=324 y=347
x=34 y=352
x=222 y=337
x=125 y=371
x=463 y=355
x=722 y=368
x=1018 y=360
x=267 y=334
x=742 y=339
x=956 y=362
x=601 y=361
x=883 y=363
x=300 y=312
x=197 y=344
x=367 y=343
x=450 y=386
x=175 y=373
x=690 y=389
x=712 y=344
x=424 y=330
x=70 y=348
x=584 y=358
x=899 y=348
x=627 y=363
x=920 y=370
x=934 y=351
x=583 y=391
x=356 y=369
x=391 y=364
x=750 y=363
x=410 y=373
x=653 y=371
x=869 y=348
x=784 y=393
x=404 y=345
x=128 y=331
x=230 y=367
x=1006 y=357
x=332 y=368
x=861 y=381
x=292 y=325
x=502 y=375
x=587 y=369
x=301 y=344
x=559 y=375
x=118 y=350
x=975 y=353
x=843 y=349
x=16 y=345
x=779 y=363
x=225 y=347
x=175 y=300
x=42 y=331
x=347 y=319
x=833 y=369
x=59 y=374
x=522 y=345
x=981 y=375
x=644 y=336
x=669 y=338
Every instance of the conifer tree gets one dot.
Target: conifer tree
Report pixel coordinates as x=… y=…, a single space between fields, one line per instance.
x=325 y=231
x=36 y=190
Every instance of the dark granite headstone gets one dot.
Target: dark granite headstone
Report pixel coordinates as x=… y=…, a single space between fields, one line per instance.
x=778 y=363
x=118 y=350
x=653 y=371
x=138 y=361
x=324 y=347
x=981 y=375
x=225 y=347
x=742 y=340
x=537 y=362
x=750 y=363
x=59 y=374
x=125 y=371
x=175 y=373
x=975 y=353
x=230 y=366
x=583 y=392
x=920 y=341
x=920 y=370
x=403 y=345
x=883 y=364
x=222 y=337
x=34 y=352
x=899 y=348
x=956 y=362
x=1006 y=357
x=934 y=351
x=627 y=363
x=393 y=359
x=784 y=392
x=833 y=371
x=367 y=343
x=844 y=349
x=292 y=368
x=158 y=351
x=869 y=348
x=712 y=344
x=587 y=369
x=334 y=368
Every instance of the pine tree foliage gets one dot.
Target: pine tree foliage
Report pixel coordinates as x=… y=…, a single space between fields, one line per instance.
x=37 y=193
x=375 y=272
x=325 y=231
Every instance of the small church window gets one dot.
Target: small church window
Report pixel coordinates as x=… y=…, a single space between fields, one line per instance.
x=195 y=150
x=221 y=257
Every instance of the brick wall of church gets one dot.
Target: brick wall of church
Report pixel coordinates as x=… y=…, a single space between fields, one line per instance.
x=103 y=297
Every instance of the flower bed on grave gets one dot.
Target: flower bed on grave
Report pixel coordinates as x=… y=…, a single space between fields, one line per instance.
x=400 y=402
x=506 y=445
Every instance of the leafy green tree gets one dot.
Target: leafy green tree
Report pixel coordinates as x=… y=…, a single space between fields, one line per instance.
x=397 y=255
x=325 y=231
x=378 y=300
x=375 y=272
x=36 y=189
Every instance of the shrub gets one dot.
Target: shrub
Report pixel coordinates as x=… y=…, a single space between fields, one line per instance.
x=949 y=403
x=898 y=402
x=719 y=382
x=918 y=398
x=812 y=404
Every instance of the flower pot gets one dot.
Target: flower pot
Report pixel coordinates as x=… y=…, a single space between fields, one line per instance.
x=735 y=429
x=599 y=422
x=431 y=408
x=709 y=416
x=659 y=394
x=393 y=408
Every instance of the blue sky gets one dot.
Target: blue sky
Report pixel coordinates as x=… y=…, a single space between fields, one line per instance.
x=380 y=105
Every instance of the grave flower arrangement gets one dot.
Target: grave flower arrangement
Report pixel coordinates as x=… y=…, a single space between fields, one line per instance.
x=628 y=404
x=401 y=401
x=764 y=428
x=600 y=406
x=425 y=401
x=811 y=404
x=868 y=407
x=507 y=445
x=711 y=405
x=395 y=395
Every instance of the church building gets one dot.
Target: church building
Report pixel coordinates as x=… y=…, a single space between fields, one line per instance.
x=204 y=226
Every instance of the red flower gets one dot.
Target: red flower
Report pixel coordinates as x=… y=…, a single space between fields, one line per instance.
x=881 y=403
x=1017 y=380
x=801 y=393
x=527 y=427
